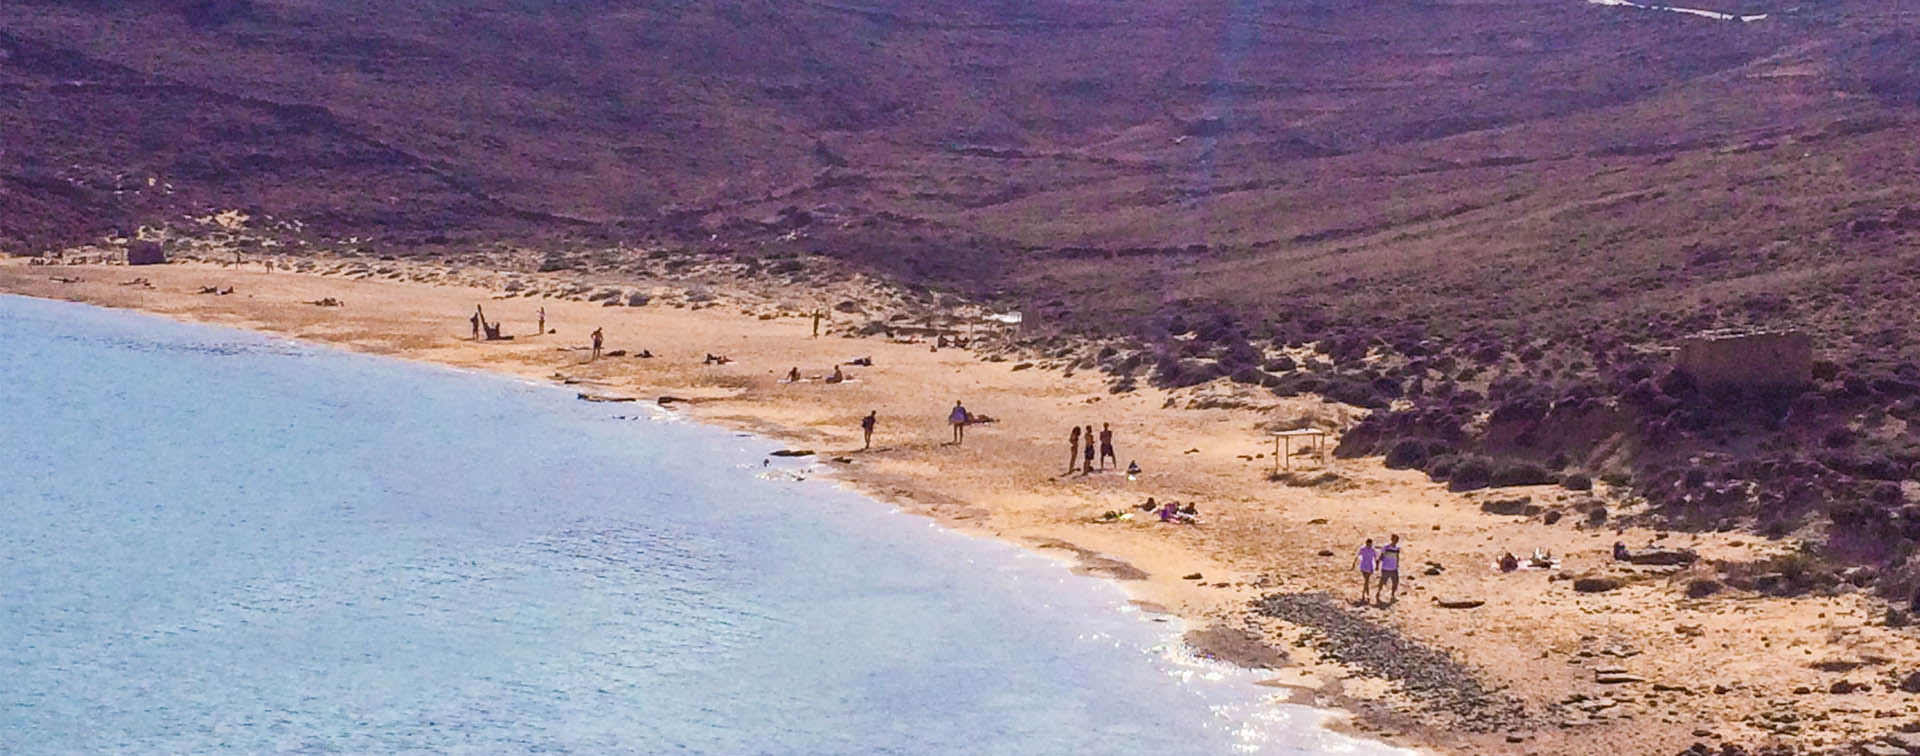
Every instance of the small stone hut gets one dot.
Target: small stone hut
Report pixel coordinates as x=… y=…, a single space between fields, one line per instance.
x=1747 y=358
x=146 y=253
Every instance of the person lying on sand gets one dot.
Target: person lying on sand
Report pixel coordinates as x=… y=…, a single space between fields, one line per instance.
x=864 y=361
x=1187 y=515
x=713 y=359
x=1150 y=505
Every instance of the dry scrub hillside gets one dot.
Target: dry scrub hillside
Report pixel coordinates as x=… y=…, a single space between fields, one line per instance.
x=1480 y=218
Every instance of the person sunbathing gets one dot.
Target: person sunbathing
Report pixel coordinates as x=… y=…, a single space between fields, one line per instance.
x=837 y=375
x=1187 y=515
x=793 y=375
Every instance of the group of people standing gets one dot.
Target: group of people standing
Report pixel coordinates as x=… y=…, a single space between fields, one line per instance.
x=1076 y=450
x=1384 y=560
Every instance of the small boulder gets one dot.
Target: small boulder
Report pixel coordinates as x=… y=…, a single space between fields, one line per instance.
x=1597 y=584
x=1521 y=507
x=1664 y=557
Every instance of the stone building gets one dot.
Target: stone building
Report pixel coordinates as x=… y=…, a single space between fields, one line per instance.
x=1747 y=358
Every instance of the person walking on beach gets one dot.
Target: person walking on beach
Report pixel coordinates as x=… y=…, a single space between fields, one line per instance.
x=1088 y=456
x=816 y=324
x=958 y=419
x=597 y=339
x=1390 y=568
x=1073 y=448
x=543 y=321
x=866 y=427
x=1106 y=446
x=1368 y=559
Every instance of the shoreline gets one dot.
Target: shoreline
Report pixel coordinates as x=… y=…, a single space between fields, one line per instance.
x=1221 y=682
x=1257 y=536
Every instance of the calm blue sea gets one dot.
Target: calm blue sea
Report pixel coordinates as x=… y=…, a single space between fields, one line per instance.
x=212 y=540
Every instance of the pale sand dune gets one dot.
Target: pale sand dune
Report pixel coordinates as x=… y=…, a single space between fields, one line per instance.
x=1533 y=635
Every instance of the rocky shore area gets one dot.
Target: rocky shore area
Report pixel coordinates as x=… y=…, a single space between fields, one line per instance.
x=1449 y=692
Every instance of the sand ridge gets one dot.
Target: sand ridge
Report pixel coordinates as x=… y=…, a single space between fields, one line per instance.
x=1734 y=667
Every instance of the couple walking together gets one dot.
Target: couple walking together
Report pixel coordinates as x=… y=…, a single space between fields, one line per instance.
x=1384 y=560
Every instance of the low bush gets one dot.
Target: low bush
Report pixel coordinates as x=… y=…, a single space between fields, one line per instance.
x=1470 y=474
x=1407 y=454
x=1519 y=474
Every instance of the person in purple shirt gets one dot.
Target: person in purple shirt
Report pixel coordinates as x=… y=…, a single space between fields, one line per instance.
x=958 y=418
x=1390 y=568
x=1368 y=557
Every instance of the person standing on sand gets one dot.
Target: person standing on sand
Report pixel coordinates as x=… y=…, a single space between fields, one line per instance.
x=866 y=427
x=816 y=324
x=1088 y=467
x=1390 y=568
x=475 y=320
x=543 y=321
x=1367 y=560
x=958 y=418
x=1106 y=446
x=1073 y=449
x=597 y=339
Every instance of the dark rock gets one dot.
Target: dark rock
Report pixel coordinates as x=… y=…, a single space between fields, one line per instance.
x=1521 y=507
x=1664 y=557
x=1600 y=584
x=1703 y=588
x=1459 y=603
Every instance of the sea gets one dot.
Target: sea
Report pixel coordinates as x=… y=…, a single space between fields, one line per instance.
x=213 y=540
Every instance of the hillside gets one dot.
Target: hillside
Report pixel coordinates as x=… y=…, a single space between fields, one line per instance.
x=1512 y=199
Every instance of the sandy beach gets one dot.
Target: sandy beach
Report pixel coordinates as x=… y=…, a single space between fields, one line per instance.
x=1516 y=662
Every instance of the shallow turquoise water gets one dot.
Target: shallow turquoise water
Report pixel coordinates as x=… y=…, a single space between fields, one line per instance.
x=219 y=541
